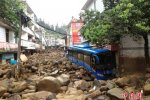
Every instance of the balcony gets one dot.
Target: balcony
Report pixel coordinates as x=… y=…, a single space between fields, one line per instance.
x=8 y=47
x=29 y=44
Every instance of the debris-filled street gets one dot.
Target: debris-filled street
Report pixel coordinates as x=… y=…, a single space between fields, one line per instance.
x=74 y=49
x=50 y=76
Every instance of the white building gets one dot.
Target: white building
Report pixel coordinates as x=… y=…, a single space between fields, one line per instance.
x=31 y=38
x=8 y=46
x=54 y=40
x=96 y=5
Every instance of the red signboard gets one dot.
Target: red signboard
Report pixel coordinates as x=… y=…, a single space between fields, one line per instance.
x=75 y=28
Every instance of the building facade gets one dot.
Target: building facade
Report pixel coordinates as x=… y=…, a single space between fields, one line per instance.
x=8 y=45
x=32 y=36
x=53 y=39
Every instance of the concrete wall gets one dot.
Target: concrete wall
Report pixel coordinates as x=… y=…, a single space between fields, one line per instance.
x=132 y=48
x=131 y=55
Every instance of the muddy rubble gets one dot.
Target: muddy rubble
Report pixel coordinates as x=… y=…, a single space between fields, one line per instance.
x=51 y=76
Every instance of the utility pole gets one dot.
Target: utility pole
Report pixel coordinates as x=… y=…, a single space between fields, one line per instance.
x=23 y=20
x=17 y=70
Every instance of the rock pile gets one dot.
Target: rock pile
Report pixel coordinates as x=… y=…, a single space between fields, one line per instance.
x=50 y=76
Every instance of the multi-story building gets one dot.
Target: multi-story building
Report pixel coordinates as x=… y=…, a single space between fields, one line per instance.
x=54 y=40
x=32 y=36
x=8 y=45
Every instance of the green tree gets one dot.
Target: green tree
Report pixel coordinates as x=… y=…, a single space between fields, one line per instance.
x=135 y=18
x=126 y=17
x=100 y=28
x=8 y=12
x=109 y=4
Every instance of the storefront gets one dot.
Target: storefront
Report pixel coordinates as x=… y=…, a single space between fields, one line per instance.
x=6 y=57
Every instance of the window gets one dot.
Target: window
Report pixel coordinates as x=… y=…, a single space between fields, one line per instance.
x=81 y=56
x=75 y=54
x=107 y=60
x=87 y=59
x=7 y=35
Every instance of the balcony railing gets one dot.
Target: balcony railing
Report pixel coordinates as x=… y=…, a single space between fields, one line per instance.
x=5 y=46
x=29 y=44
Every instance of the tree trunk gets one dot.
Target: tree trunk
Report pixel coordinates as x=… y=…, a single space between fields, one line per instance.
x=146 y=50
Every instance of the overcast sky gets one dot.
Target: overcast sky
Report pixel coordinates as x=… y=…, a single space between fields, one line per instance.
x=56 y=11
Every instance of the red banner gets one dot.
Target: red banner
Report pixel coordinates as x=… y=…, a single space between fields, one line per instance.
x=76 y=36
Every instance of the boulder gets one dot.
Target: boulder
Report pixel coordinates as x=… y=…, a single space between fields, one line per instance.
x=129 y=89
x=19 y=87
x=14 y=97
x=2 y=90
x=147 y=98
x=64 y=88
x=54 y=73
x=82 y=84
x=42 y=95
x=111 y=84
x=1 y=73
x=48 y=84
x=116 y=93
x=136 y=81
x=73 y=91
x=94 y=94
x=34 y=69
x=23 y=58
x=31 y=87
x=64 y=79
x=28 y=91
x=6 y=94
x=5 y=83
x=122 y=82
x=104 y=88
x=102 y=82
x=71 y=94
x=102 y=97
x=146 y=89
